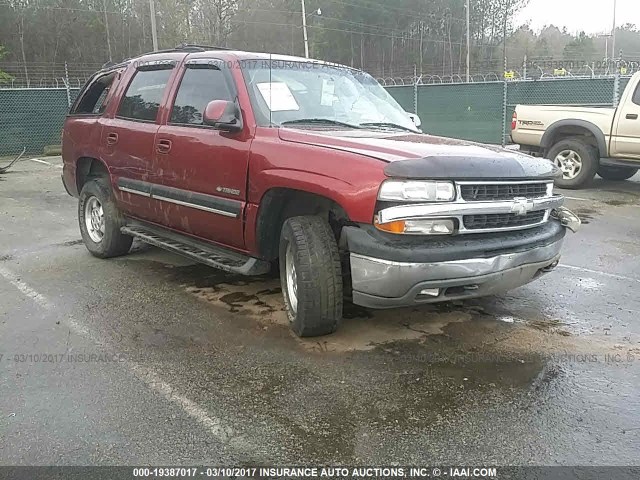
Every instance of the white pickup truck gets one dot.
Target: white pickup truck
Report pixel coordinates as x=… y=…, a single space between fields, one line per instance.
x=584 y=141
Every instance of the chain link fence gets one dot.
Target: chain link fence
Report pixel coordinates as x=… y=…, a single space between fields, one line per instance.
x=482 y=111
x=32 y=118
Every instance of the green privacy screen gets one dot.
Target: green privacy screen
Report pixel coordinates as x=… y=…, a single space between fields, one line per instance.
x=31 y=118
x=479 y=111
x=403 y=95
x=472 y=111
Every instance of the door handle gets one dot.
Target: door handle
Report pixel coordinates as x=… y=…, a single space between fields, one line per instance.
x=632 y=116
x=112 y=138
x=163 y=146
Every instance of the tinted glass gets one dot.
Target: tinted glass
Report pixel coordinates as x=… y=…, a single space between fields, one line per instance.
x=199 y=86
x=142 y=99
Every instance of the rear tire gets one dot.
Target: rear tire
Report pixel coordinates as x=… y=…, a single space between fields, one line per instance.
x=617 y=173
x=577 y=160
x=100 y=221
x=311 y=276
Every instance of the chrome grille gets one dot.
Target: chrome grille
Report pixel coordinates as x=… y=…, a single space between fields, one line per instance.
x=486 y=192
x=502 y=220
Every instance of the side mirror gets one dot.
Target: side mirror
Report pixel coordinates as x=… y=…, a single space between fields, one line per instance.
x=415 y=119
x=223 y=115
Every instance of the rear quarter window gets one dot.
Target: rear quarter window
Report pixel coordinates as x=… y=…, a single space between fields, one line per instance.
x=93 y=100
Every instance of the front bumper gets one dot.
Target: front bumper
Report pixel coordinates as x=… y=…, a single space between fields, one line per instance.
x=467 y=268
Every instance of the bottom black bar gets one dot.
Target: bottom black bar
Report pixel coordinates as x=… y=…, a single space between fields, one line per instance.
x=308 y=472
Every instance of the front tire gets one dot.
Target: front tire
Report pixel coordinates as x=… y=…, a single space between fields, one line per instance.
x=617 y=173
x=100 y=221
x=577 y=160
x=311 y=276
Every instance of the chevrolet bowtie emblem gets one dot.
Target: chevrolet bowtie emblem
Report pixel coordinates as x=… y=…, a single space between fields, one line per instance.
x=522 y=205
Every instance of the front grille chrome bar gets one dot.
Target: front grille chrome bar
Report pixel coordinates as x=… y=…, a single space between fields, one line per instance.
x=455 y=209
x=458 y=210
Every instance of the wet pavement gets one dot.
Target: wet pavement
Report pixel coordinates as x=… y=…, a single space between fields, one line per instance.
x=149 y=358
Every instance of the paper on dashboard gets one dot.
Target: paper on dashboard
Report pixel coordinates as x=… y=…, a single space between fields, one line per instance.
x=278 y=96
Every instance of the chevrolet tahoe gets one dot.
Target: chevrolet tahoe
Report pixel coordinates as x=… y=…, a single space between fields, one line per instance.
x=252 y=162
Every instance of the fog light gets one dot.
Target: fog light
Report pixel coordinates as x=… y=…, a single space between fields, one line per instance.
x=436 y=226
x=431 y=292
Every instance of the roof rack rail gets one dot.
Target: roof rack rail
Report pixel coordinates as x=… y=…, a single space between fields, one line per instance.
x=184 y=47
x=194 y=47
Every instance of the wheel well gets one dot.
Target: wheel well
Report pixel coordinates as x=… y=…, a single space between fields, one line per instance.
x=279 y=204
x=567 y=131
x=87 y=167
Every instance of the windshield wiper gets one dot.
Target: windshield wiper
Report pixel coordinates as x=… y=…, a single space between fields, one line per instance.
x=387 y=125
x=318 y=121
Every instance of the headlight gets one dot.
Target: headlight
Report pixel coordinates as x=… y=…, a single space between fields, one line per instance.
x=419 y=226
x=416 y=190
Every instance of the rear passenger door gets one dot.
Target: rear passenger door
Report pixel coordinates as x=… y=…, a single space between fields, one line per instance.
x=128 y=139
x=83 y=126
x=203 y=171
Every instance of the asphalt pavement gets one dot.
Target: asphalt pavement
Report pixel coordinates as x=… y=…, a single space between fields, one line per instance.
x=152 y=359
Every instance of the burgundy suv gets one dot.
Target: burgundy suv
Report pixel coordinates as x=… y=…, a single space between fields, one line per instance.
x=239 y=160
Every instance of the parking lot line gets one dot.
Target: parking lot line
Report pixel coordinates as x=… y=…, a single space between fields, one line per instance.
x=597 y=272
x=580 y=199
x=14 y=280
x=45 y=162
x=142 y=373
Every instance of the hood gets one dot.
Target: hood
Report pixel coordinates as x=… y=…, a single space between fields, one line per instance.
x=415 y=155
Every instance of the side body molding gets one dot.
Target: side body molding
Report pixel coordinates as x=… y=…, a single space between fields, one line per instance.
x=187 y=198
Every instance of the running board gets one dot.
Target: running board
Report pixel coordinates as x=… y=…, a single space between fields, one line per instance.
x=619 y=162
x=212 y=255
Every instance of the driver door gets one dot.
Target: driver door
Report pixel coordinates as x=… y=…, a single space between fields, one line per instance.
x=626 y=142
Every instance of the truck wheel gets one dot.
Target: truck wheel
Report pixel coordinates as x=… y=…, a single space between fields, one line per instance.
x=577 y=160
x=100 y=220
x=617 y=173
x=311 y=276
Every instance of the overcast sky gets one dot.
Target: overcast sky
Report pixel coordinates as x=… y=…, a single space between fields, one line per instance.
x=592 y=16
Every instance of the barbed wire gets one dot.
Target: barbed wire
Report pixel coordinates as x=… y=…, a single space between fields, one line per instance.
x=47 y=75
x=622 y=68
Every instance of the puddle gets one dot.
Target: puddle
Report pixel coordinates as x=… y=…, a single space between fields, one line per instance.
x=616 y=203
x=260 y=299
x=384 y=327
x=361 y=329
x=71 y=243
x=488 y=324
x=585 y=214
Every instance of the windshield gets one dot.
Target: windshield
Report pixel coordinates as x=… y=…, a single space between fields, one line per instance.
x=285 y=92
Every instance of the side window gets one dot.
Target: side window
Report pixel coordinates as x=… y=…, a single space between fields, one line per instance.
x=636 y=95
x=143 y=96
x=93 y=100
x=199 y=86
